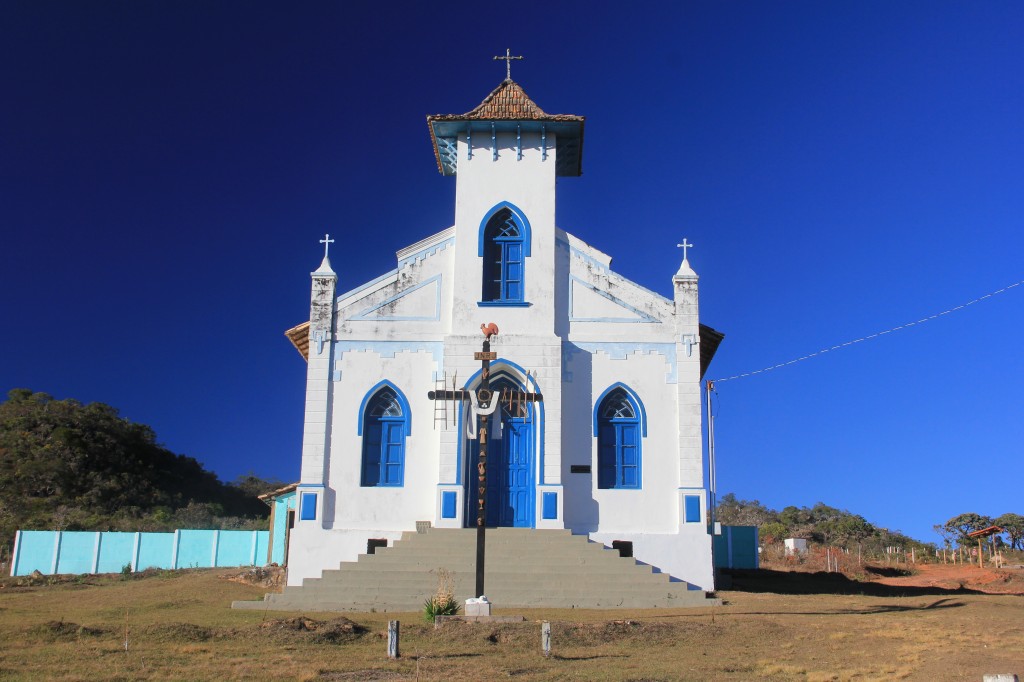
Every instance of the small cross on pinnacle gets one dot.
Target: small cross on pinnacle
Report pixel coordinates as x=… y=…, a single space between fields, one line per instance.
x=508 y=62
x=326 y=241
x=684 y=246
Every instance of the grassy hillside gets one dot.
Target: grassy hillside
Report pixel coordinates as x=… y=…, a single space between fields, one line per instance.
x=65 y=465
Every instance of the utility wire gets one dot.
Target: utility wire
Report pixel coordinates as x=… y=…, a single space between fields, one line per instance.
x=871 y=336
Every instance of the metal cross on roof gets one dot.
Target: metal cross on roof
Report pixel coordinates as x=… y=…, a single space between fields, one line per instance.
x=508 y=62
x=684 y=246
x=326 y=241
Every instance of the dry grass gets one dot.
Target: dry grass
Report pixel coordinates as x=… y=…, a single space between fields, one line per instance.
x=179 y=627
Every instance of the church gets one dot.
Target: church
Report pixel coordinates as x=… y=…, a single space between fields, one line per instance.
x=609 y=447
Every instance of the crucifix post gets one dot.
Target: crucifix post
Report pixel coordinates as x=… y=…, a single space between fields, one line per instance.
x=483 y=397
x=484 y=403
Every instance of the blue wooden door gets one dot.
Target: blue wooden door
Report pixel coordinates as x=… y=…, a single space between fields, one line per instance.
x=513 y=494
x=510 y=494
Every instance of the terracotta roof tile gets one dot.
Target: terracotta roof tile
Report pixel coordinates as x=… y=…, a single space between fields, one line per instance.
x=507 y=102
x=299 y=336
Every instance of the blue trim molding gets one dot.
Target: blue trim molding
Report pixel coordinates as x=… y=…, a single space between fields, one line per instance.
x=521 y=221
x=495 y=369
x=448 y=500
x=308 y=511
x=617 y=350
x=550 y=510
x=636 y=400
x=692 y=508
x=406 y=410
x=388 y=349
x=641 y=316
x=367 y=314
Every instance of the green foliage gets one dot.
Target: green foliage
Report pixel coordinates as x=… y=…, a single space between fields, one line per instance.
x=1013 y=526
x=443 y=602
x=961 y=525
x=735 y=512
x=69 y=466
x=821 y=523
x=432 y=608
x=254 y=486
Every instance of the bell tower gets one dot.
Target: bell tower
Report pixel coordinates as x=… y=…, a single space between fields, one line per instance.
x=505 y=155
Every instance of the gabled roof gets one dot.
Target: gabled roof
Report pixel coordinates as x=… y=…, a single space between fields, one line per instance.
x=710 y=339
x=274 y=494
x=299 y=336
x=985 y=532
x=508 y=108
x=507 y=102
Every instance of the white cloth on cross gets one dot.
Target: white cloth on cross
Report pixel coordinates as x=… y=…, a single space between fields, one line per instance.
x=478 y=410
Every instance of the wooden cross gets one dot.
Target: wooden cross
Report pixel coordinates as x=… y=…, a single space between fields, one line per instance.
x=326 y=241
x=508 y=62
x=484 y=402
x=684 y=246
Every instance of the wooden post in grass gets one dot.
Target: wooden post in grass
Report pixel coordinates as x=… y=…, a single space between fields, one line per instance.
x=393 y=651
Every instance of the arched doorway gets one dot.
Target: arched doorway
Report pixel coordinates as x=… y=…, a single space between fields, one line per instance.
x=511 y=460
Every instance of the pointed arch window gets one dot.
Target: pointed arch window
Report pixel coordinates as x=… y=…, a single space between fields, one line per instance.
x=384 y=426
x=504 y=247
x=618 y=441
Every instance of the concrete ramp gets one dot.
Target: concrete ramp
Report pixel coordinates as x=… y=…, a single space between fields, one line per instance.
x=525 y=568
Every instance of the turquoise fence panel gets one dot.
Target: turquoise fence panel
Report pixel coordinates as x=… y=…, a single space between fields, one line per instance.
x=77 y=552
x=115 y=552
x=262 y=547
x=736 y=547
x=195 y=549
x=236 y=548
x=155 y=551
x=744 y=547
x=110 y=552
x=33 y=551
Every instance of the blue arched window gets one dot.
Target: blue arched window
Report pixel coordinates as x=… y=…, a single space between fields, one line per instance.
x=618 y=441
x=504 y=245
x=385 y=425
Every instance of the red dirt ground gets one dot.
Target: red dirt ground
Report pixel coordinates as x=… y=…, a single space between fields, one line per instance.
x=951 y=577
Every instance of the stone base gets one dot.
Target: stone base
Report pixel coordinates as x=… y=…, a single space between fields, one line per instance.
x=476 y=609
x=441 y=620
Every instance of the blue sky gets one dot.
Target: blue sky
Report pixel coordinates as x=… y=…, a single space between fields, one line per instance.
x=167 y=169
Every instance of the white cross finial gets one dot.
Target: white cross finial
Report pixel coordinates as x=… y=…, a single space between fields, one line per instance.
x=326 y=241
x=508 y=62
x=684 y=246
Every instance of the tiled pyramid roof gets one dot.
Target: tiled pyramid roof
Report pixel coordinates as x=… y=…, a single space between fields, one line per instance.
x=507 y=102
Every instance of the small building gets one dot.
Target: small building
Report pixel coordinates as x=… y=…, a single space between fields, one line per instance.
x=282 y=520
x=795 y=546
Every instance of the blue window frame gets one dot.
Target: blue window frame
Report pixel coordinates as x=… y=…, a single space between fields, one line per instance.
x=618 y=441
x=504 y=246
x=385 y=426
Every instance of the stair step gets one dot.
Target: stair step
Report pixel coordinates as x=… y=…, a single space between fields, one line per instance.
x=526 y=567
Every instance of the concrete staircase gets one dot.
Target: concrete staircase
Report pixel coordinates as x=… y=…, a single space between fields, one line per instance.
x=525 y=568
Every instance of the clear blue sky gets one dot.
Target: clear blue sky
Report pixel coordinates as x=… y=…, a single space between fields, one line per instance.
x=166 y=169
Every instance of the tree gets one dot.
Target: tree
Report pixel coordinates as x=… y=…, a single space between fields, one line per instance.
x=71 y=466
x=1013 y=526
x=734 y=512
x=962 y=525
x=253 y=485
x=947 y=535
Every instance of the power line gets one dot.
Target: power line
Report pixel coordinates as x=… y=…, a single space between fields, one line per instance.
x=871 y=336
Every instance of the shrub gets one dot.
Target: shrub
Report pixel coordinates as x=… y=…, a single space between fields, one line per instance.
x=443 y=602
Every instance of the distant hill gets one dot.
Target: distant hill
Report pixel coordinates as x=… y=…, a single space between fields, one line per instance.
x=821 y=524
x=69 y=466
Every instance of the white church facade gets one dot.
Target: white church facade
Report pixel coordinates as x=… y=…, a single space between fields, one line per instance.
x=614 y=449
